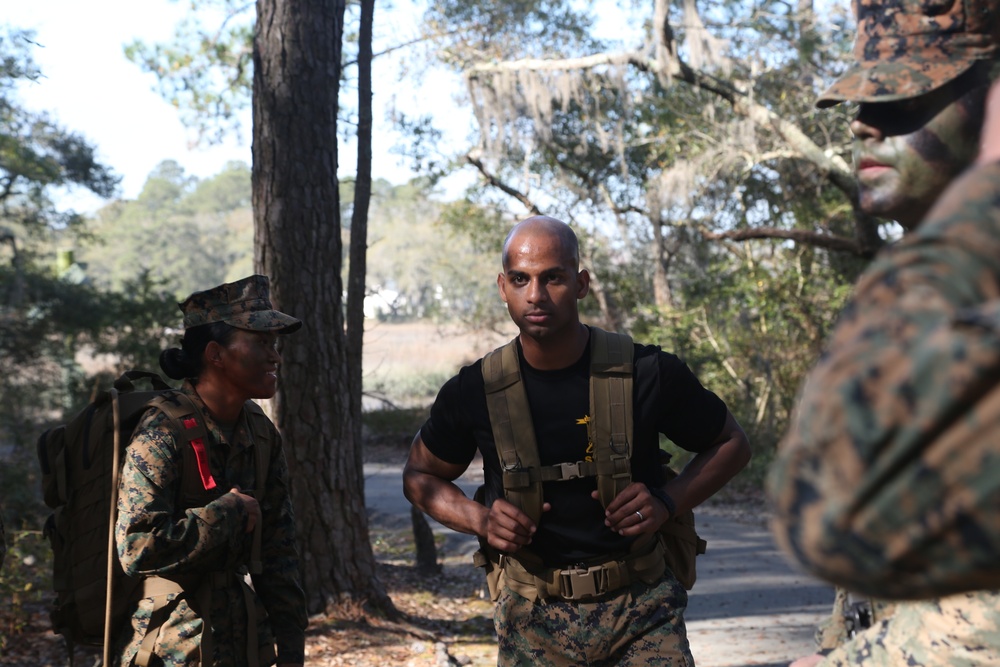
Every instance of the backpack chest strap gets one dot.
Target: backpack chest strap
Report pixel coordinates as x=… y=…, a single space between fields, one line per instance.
x=609 y=429
x=615 y=467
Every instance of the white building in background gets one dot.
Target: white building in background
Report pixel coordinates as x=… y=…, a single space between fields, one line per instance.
x=381 y=303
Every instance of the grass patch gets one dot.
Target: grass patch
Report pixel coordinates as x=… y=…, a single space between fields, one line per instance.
x=397 y=544
x=394 y=420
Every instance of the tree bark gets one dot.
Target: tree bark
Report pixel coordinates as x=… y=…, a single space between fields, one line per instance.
x=662 y=296
x=297 y=68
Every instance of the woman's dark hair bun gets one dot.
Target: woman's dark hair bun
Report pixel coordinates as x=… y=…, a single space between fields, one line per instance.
x=176 y=365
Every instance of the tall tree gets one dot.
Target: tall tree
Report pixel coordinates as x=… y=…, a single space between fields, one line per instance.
x=207 y=223
x=688 y=153
x=296 y=90
x=38 y=160
x=640 y=131
x=359 y=221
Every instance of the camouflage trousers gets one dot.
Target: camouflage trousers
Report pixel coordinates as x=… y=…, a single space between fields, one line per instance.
x=957 y=631
x=179 y=632
x=643 y=625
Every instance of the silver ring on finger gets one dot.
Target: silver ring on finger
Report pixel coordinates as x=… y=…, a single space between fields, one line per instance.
x=641 y=518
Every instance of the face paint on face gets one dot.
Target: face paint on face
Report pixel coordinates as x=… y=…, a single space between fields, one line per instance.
x=251 y=363
x=907 y=152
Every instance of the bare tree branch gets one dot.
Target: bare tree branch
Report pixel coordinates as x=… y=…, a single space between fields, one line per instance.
x=837 y=170
x=503 y=187
x=828 y=241
x=668 y=67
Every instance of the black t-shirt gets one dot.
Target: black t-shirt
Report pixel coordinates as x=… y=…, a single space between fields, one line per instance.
x=667 y=399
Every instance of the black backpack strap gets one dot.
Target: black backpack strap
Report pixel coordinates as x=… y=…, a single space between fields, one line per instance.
x=126 y=381
x=513 y=430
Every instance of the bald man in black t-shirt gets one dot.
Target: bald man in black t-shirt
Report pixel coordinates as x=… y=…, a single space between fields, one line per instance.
x=639 y=623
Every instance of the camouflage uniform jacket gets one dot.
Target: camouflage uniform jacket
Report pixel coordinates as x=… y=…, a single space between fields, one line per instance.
x=158 y=533
x=888 y=481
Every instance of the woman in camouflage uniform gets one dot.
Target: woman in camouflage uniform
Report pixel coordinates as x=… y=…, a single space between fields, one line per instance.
x=188 y=507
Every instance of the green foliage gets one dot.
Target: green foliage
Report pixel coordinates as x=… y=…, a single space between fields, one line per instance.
x=406 y=388
x=205 y=72
x=24 y=582
x=391 y=425
x=53 y=322
x=760 y=334
x=418 y=247
x=503 y=29
x=38 y=158
x=180 y=232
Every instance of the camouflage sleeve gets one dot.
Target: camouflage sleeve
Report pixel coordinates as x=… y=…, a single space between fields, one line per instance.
x=150 y=538
x=885 y=482
x=279 y=585
x=832 y=631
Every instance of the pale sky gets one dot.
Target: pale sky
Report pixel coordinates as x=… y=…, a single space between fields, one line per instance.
x=90 y=88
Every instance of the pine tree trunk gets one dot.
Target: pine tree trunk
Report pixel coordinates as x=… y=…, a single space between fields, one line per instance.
x=297 y=63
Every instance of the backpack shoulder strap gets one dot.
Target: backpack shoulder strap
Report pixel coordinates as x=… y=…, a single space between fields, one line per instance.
x=263 y=441
x=188 y=426
x=611 y=380
x=262 y=434
x=513 y=429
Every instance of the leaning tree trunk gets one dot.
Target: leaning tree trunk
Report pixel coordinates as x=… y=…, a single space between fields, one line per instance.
x=297 y=63
x=358 y=251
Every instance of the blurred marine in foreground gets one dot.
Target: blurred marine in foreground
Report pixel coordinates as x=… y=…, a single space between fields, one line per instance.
x=887 y=479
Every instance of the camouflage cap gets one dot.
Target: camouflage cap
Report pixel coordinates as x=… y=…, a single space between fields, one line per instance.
x=244 y=304
x=907 y=48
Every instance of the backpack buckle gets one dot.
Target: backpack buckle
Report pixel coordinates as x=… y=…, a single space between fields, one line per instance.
x=570 y=471
x=580 y=583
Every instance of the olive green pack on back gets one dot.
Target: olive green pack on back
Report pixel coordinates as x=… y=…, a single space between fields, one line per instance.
x=609 y=429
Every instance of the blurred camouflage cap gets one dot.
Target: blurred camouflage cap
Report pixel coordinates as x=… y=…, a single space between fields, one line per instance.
x=244 y=304
x=905 y=48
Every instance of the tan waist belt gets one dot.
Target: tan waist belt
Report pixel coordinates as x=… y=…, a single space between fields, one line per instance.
x=584 y=582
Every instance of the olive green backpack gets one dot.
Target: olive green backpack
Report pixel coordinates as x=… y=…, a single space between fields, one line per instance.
x=81 y=461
